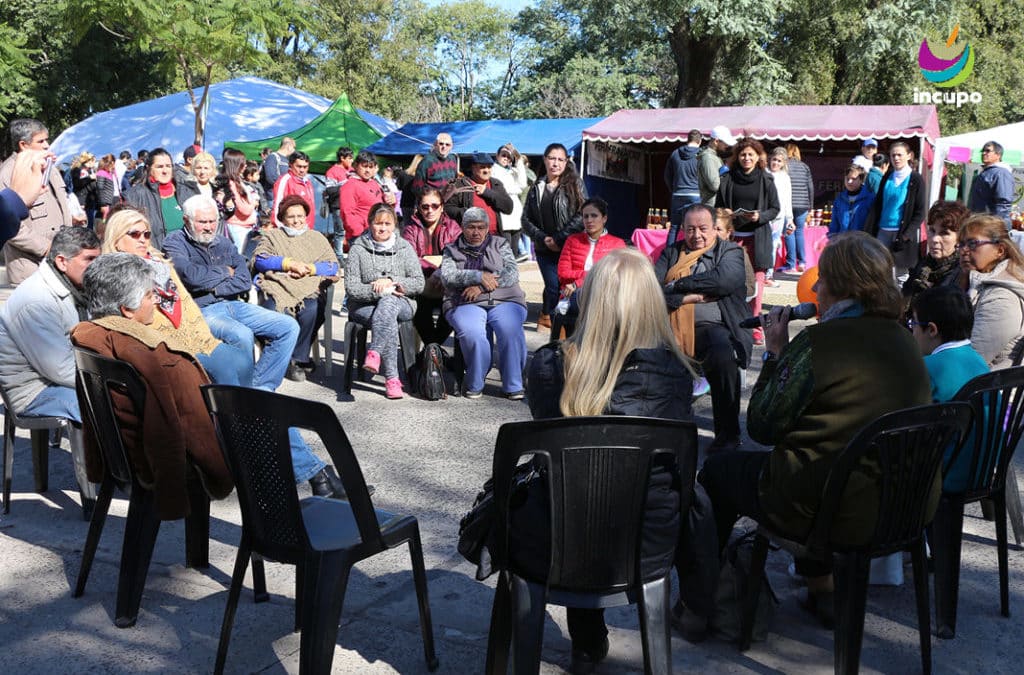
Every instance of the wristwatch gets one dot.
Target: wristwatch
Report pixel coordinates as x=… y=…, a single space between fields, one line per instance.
x=768 y=356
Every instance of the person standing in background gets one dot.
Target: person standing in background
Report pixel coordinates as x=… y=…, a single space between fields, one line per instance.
x=803 y=201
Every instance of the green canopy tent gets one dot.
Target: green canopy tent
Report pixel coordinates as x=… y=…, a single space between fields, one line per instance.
x=320 y=138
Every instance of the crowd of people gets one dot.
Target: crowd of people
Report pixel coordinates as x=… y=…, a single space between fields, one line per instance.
x=164 y=273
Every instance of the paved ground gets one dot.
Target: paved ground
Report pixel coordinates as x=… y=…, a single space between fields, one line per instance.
x=427 y=459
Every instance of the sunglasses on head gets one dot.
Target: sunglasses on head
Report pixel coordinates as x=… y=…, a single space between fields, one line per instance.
x=139 y=234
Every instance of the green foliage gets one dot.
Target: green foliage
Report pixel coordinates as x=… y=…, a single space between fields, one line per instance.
x=15 y=63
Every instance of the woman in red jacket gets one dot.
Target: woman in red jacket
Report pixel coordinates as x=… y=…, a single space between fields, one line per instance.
x=582 y=250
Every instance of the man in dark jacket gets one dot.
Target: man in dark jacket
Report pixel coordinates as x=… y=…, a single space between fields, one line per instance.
x=682 y=176
x=993 y=189
x=479 y=190
x=715 y=286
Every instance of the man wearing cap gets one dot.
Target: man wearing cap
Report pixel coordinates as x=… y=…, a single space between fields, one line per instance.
x=710 y=161
x=682 y=176
x=479 y=190
x=993 y=189
x=868 y=150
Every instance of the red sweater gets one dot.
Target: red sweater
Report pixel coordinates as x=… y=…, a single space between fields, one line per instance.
x=574 y=256
x=357 y=197
x=290 y=184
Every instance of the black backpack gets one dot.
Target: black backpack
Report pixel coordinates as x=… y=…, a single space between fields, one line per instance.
x=432 y=376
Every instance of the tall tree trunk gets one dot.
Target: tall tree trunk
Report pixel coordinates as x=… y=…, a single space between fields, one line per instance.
x=695 y=61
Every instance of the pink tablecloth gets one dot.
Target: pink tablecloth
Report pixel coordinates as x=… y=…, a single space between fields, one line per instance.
x=652 y=242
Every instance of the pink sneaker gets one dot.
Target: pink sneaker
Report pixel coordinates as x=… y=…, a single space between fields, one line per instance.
x=371 y=363
x=393 y=388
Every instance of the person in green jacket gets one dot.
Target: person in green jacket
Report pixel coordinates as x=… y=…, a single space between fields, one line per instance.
x=813 y=395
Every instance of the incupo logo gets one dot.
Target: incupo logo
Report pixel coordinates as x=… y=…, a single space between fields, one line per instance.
x=946 y=66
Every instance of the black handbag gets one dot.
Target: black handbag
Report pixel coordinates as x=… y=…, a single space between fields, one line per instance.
x=476 y=529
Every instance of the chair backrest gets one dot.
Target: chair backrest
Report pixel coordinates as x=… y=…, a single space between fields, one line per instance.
x=997 y=399
x=98 y=379
x=598 y=469
x=252 y=426
x=903 y=450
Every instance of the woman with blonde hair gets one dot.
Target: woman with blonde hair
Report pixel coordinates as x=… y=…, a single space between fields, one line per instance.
x=782 y=224
x=177 y=316
x=622 y=360
x=204 y=170
x=993 y=269
x=83 y=183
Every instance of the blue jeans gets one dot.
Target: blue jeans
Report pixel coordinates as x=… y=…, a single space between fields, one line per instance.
x=547 y=261
x=55 y=401
x=505 y=320
x=228 y=365
x=339 y=235
x=239 y=324
x=795 y=241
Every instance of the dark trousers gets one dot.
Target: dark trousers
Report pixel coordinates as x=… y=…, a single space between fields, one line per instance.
x=429 y=329
x=547 y=261
x=731 y=479
x=310 y=318
x=714 y=349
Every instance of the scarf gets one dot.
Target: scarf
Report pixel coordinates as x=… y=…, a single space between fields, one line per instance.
x=741 y=178
x=931 y=272
x=681 y=318
x=900 y=175
x=474 y=254
x=293 y=231
x=169 y=301
x=77 y=294
x=382 y=246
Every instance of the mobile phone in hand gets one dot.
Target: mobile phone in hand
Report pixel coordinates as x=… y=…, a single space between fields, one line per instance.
x=50 y=161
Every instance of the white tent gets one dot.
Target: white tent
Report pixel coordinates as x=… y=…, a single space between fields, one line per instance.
x=961 y=147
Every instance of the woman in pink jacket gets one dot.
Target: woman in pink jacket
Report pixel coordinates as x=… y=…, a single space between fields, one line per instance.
x=581 y=251
x=238 y=202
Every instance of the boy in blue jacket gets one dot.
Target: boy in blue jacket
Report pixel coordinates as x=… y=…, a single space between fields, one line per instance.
x=851 y=207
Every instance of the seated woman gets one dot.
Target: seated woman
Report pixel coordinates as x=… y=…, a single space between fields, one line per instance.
x=429 y=230
x=482 y=293
x=622 y=360
x=382 y=273
x=582 y=250
x=294 y=265
x=177 y=314
x=995 y=284
x=176 y=427
x=813 y=395
x=941 y=264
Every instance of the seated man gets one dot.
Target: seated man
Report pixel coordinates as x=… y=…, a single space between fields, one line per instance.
x=217 y=277
x=176 y=426
x=37 y=366
x=704 y=284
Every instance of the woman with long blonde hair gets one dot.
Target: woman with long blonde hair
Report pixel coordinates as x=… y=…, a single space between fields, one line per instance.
x=177 y=316
x=622 y=360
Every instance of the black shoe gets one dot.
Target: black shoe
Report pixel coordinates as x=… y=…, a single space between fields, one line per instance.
x=515 y=395
x=691 y=626
x=308 y=366
x=723 y=445
x=584 y=661
x=295 y=373
x=823 y=606
x=327 y=484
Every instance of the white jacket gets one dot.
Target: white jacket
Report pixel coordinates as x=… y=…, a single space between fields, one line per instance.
x=513 y=179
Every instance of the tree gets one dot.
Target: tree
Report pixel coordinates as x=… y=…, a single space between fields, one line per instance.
x=196 y=37
x=15 y=63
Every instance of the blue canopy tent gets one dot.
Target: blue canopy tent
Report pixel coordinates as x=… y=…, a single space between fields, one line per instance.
x=529 y=136
x=246 y=108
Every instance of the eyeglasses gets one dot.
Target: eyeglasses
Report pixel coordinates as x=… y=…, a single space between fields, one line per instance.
x=139 y=234
x=911 y=323
x=973 y=244
x=986 y=150
x=444 y=145
x=429 y=207
x=504 y=155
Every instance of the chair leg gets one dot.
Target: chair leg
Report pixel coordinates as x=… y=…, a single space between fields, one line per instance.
x=999 y=500
x=41 y=458
x=237 y=576
x=86 y=490
x=321 y=608
x=8 y=459
x=92 y=540
x=528 y=602
x=197 y=525
x=300 y=586
x=499 y=636
x=758 y=558
x=351 y=350
x=419 y=576
x=259 y=580
x=140 y=532
x=924 y=625
x=946 y=539
x=329 y=331
x=654 y=627
x=1013 y=506
x=851 y=579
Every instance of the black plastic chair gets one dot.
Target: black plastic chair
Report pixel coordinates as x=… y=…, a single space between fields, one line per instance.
x=998 y=402
x=98 y=377
x=598 y=471
x=323 y=537
x=39 y=429
x=905 y=449
x=355 y=349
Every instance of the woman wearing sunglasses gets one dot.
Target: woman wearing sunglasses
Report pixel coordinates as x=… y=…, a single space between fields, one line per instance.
x=994 y=269
x=429 y=230
x=177 y=314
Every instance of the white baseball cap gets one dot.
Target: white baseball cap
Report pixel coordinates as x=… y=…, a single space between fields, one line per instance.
x=722 y=133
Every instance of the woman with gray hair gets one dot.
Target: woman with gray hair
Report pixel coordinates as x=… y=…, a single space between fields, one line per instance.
x=482 y=293
x=175 y=428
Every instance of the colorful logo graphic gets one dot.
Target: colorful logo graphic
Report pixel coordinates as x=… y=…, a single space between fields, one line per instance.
x=946 y=65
